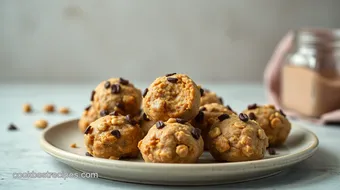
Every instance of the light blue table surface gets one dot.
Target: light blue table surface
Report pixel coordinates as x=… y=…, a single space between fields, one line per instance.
x=20 y=150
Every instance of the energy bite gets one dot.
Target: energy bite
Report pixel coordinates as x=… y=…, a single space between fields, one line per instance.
x=116 y=94
x=207 y=116
x=174 y=141
x=172 y=96
x=89 y=115
x=209 y=97
x=237 y=138
x=113 y=136
x=272 y=121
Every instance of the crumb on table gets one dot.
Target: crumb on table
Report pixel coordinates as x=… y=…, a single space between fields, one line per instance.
x=73 y=145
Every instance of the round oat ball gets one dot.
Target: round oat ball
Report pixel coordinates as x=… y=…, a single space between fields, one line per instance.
x=207 y=116
x=113 y=136
x=89 y=115
x=116 y=94
x=174 y=141
x=237 y=138
x=171 y=96
x=209 y=97
x=274 y=122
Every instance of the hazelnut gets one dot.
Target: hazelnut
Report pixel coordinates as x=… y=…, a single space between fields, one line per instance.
x=222 y=144
x=215 y=132
x=182 y=150
x=41 y=123
x=64 y=110
x=49 y=108
x=26 y=108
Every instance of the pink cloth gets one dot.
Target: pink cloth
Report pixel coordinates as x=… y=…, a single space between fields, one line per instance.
x=272 y=81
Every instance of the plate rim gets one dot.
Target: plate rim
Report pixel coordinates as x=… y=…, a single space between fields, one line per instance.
x=65 y=155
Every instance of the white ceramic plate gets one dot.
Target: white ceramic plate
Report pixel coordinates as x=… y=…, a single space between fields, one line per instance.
x=56 y=141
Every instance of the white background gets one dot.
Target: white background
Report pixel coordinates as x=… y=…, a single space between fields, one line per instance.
x=211 y=40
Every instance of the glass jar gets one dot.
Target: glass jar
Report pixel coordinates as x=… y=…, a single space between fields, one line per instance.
x=310 y=82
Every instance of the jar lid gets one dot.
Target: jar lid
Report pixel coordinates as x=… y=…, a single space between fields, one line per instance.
x=305 y=36
x=321 y=38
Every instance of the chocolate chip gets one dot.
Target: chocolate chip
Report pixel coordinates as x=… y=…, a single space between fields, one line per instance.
x=88 y=154
x=252 y=116
x=202 y=91
x=115 y=88
x=170 y=74
x=199 y=117
x=103 y=113
x=120 y=105
x=229 y=108
x=160 y=124
x=12 y=127
x=145 y=117
x=243 y=117
x=123 y=81
x=107 y=84
x=252 y=106
x=271 y=151
x=114 y=113
x=223 y=117
x=180 y=120
x=196 y=133
x=221 y=100
x=92 y=94
x=87 y=130
x=172 y=80
x=116 y=133
x=203 y=109
x=281 y=112
x=145 y=92
x=130 y=120
x=88 y=107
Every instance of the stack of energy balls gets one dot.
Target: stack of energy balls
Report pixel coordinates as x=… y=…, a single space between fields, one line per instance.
x=178 y=121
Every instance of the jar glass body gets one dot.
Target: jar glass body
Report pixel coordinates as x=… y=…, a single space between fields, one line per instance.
x=310 y=80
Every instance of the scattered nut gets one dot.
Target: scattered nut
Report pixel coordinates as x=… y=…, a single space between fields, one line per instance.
x=73 y=145
x=182 y=150
x=64 y=110
x=26 y=108
x=215 y=132
x=41 y=123
x=276 y=122
x=248 y=150
x=261 y=134
x=270 y=106
x=49 y=108
x=222 y=144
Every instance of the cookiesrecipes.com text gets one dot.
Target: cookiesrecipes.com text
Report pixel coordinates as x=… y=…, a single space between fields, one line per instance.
x=53 y=175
